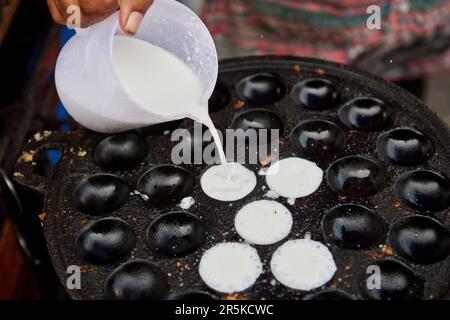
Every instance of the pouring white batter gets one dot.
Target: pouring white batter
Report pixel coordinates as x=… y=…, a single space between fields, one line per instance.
x=155 y=77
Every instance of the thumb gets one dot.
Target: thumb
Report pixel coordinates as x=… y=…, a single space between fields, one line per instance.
x=131 y=14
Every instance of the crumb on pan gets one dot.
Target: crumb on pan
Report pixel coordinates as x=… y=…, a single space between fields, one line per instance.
x=387 y=250
x=320 y=71
x=27 y=156
x=239 y=104
x=80 y=152
x=236 y=296
x=40 y=136
x=42 y=216
x=85 y=269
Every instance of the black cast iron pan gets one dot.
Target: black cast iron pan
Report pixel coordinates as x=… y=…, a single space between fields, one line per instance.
x=402 y=205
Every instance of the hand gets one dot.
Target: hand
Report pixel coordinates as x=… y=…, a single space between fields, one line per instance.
x=92 y=11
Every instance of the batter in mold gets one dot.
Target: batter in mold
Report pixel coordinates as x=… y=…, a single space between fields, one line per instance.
x=230 y=267
x=303 y=264
x=294 y=178
x=263 y=222
x=228 y=182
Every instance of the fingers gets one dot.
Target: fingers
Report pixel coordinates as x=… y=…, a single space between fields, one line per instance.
x=57 y=14
x=132 y=13
x=99 y=7
x=98 y=10
x=89 y=11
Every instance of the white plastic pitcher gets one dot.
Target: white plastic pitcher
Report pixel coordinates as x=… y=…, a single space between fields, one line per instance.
x=87 y=83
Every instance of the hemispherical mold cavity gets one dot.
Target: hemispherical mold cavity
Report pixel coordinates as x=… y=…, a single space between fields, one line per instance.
x=420 y=239
x=353 y=226
x=176 y=234
x=397 y=282
x=100 y=194
x=424 y=190
x=166 y=183
x=405 y=146
x=120 y=151
x=136 y=280
x=318 y=138
x=261 y=89
x=365 y=114
x=105 y=241
x=316 y=94
x=355 y=176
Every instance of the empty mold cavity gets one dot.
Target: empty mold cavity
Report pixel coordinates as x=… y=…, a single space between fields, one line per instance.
x=261 y=89
x=315 y=94
x=176 y=234
x=396 y=281
x=105 y=241
x=318 y=138
x=100 y=194
x=424 y=190
x=365 y=114
x=352 y=226
x=405 y=146
x=120 y=151
x=136 y=280
x=166 y=183
x=355 y=176
x=420 y=239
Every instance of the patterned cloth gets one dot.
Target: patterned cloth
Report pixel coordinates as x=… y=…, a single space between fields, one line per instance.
x=414 y=40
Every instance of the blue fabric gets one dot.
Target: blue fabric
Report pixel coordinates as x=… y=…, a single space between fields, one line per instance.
x=66 y=34
x=54 y=155
x=61 y=112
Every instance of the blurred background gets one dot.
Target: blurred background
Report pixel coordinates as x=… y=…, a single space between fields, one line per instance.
x=412 y=49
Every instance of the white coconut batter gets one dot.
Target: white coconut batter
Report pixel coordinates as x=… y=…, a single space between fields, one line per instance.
x=228 y=182
x=187 y=203
x=262 y=171
x=271 y=195
x=263 y=222
x=303 y=264
x=147 y=72
x=230 y=267
x=294 y=177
